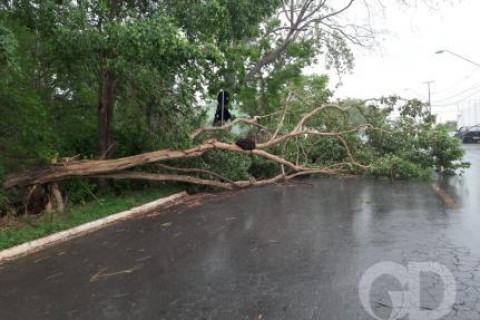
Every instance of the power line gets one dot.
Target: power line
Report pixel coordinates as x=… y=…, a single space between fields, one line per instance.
x=476 y=86
x=458 y=82
x=457 y=102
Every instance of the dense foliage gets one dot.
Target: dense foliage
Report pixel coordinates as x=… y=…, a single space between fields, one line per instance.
x=110 y=78
x=401 y=141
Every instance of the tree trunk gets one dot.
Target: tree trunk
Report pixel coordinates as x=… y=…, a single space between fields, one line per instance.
x=116 y=168
x=106 y=101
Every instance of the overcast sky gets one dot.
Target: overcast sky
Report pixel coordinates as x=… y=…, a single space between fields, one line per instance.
x=406 y=59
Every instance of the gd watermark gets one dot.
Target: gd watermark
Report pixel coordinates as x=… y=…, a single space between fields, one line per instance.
x=407 y=301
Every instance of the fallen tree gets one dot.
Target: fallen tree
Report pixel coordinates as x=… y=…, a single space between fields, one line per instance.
x=292 y=142
x=139 y=167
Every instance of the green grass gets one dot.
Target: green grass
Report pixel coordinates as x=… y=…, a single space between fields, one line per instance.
x=31 y=228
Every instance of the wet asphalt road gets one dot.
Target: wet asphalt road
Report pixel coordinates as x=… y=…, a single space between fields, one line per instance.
x=279 y=252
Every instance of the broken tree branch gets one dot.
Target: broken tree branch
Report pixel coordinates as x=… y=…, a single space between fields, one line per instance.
x=289 y=163
x=195 y=170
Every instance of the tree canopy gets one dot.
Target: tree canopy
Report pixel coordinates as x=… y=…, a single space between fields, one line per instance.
x=114 y=78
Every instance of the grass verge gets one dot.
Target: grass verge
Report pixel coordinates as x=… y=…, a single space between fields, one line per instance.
x=20 y=230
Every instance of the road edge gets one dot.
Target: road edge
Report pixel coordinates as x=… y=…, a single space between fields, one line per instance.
x=39 y=244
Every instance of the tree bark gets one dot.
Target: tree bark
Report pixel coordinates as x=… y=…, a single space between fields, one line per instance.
x=117 y=168
x=61 y=171
x=106 y=101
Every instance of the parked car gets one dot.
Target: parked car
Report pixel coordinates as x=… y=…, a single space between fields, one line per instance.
x=469 y=134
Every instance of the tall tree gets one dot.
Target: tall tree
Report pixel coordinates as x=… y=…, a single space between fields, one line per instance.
x=334 y=26
x=127 y=52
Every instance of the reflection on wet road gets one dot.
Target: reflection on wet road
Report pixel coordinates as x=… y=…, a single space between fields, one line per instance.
x=465 y=188
x=282 y=252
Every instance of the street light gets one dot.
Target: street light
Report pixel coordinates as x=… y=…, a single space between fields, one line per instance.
x=458 y=56
x=459 y=113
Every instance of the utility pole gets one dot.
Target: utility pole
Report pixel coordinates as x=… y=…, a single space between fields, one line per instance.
x=428 y=83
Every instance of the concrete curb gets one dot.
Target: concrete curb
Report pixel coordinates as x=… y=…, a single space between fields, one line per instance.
x=36 y=245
